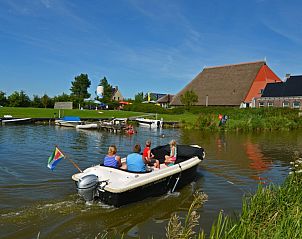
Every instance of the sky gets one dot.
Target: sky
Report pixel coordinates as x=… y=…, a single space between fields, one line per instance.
x=141 y=45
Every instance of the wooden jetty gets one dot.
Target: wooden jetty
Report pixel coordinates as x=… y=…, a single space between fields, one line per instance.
x=114 y=125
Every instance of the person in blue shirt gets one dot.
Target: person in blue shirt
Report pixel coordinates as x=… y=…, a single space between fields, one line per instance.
x=111 y=159
x=135 y=161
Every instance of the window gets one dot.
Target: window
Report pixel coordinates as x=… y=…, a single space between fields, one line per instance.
x=270 y=104
x=261 y=104
x=285 y=104
x=261 y=91
x=296 y=104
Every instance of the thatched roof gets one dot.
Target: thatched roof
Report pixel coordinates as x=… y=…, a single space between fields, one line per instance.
x=222 y=85
x=165 y=99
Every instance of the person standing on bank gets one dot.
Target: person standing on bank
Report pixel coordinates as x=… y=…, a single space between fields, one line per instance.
x=111 y=159
x=170 y=159
x=135 y=161
x=149 y=157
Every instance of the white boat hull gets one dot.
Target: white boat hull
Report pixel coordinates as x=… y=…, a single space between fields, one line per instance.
x=87 y=126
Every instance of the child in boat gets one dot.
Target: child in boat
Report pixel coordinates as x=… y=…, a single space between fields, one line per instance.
x=149 y=156
x=111 y=159
x=170 y=159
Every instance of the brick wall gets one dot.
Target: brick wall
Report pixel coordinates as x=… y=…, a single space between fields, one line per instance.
x=291 y=102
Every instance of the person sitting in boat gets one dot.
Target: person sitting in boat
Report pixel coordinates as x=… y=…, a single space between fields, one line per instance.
x=135 y=161
x=170 y=159
x=111 y=159
x=149 y=157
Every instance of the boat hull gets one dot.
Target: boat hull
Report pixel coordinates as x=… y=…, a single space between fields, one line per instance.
x=150 y=123
x=87 y=126
x=156 y=188
x=16 y=121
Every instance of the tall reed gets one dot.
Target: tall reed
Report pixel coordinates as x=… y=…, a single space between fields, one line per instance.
x=272 y=212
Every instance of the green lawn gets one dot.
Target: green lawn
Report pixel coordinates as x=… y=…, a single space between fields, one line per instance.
x=51 y=113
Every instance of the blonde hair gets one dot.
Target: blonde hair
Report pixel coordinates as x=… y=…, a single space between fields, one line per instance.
x=172 y=142
x=148 y=143
x=112 y=149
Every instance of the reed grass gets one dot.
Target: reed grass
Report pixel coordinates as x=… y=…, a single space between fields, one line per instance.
x=177 y=229
x=272 y=212
x=267 y=119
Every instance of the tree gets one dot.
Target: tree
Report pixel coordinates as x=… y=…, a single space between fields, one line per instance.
x=17 y=99
x=150 y=97
x=189 y=98
x=107 y=90
x=36 y=102
x=80 y=87
x=139 y=97
x=3 y=99
x=45 y=100
x=62 y=98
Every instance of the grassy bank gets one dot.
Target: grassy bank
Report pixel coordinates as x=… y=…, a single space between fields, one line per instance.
x=272 y=212
x=249 y=119
x=205 y=118
x=54 y=113
x=19 y=112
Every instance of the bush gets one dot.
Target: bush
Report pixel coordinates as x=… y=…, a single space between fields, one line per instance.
x=147 y=108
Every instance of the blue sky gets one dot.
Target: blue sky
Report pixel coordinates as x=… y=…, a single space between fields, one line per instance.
x=157 y=46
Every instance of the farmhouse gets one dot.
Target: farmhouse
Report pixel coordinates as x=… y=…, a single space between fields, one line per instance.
x=229 y=85
x=165 y=100
x=287 y=94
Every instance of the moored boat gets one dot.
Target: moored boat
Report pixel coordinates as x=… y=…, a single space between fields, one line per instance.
x=15 y=120
x=152 y=123
x=87 y=126
x=118 y=187
x=69 y=121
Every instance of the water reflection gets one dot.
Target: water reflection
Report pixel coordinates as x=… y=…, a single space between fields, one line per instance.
x=234 y=156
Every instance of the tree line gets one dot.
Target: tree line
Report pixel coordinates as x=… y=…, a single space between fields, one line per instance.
x=79 y=92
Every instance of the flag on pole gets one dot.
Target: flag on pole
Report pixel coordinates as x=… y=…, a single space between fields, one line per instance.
x=55 y=158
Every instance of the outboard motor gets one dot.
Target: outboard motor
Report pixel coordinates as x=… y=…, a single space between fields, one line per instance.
x=87 y=187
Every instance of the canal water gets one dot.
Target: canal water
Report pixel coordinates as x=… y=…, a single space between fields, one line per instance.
x=36 y=202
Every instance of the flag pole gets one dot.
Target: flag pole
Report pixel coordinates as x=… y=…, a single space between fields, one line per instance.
x=67 y=157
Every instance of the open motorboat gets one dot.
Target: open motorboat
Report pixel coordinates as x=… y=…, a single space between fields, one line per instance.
x=69 y=121
x=118 y=187
x=152 y=123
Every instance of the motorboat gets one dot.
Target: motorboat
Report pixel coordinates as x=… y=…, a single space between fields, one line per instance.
x=152 y=123
x=87 y=126
x=8 y=119
x=117 y=186
x=69 y=121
